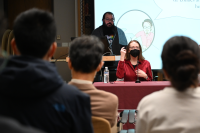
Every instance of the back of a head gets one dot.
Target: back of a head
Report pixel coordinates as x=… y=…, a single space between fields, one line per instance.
x=181 y=61
x=34 y=32
x=86 y=53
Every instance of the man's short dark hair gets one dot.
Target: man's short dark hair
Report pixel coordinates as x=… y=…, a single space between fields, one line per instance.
x=34 y=32
x=86 y=53
x=147 y=20
x=104 y=15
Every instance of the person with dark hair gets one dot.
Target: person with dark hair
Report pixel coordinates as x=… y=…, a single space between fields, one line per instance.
x=116 y=39
x=114 y=35
x=9 y=125
x=32 y=92
x=133 y=64
x=174 y=109
x=85 y=60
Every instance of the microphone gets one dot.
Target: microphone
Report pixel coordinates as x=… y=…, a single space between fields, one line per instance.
x=110 y=48
x=137 y=81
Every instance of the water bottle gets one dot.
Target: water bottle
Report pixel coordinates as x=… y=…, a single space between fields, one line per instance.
x=106 y=75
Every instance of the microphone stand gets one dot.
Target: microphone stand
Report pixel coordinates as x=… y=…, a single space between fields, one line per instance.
x=137 y=81
x=110 y=48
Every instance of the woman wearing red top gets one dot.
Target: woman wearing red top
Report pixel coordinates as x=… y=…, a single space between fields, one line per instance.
x=127 y=66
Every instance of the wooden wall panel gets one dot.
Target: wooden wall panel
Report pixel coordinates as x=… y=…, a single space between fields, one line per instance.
x=79 y=17
x=85 y=16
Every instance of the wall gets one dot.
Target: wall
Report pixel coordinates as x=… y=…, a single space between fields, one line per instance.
x=64 y=13
x=1 y=6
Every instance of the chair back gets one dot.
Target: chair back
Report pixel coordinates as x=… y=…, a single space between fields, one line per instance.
x=100 y=125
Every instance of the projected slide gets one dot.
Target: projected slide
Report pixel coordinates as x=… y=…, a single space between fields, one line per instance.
x=153 y=22
x=141 y=29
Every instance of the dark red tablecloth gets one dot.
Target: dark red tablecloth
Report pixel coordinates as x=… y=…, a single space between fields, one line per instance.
x=130 y=93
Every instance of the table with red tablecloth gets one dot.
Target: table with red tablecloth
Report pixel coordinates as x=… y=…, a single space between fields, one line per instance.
x=130 y=93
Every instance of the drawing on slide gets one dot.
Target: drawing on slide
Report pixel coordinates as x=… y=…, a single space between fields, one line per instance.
x=137 y=25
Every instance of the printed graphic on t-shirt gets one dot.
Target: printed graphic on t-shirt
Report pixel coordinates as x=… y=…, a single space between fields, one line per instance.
x=110 y=39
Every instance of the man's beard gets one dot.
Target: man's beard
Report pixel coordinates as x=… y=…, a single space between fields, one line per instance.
x=108 y=30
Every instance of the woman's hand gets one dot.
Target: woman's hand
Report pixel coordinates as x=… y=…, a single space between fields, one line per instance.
x=123 y=53
x=141 y=73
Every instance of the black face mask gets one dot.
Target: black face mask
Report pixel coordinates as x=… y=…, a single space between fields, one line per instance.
x=135 y=52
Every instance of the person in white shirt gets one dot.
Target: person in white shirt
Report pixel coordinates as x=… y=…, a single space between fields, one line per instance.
x=174 y=109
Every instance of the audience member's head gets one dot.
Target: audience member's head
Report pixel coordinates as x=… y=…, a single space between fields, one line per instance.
x=85 y=54
x=181 y=62
x=34 y=32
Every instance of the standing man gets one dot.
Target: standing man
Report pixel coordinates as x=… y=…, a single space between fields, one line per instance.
x=115 y=35
x=116 y=39
x=32 y=92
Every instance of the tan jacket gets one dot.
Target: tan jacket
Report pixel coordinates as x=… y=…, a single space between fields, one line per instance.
x=104 y=104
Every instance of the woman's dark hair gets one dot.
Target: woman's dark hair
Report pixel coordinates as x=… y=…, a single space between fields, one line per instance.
x=128 y=54
x=181 y=61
